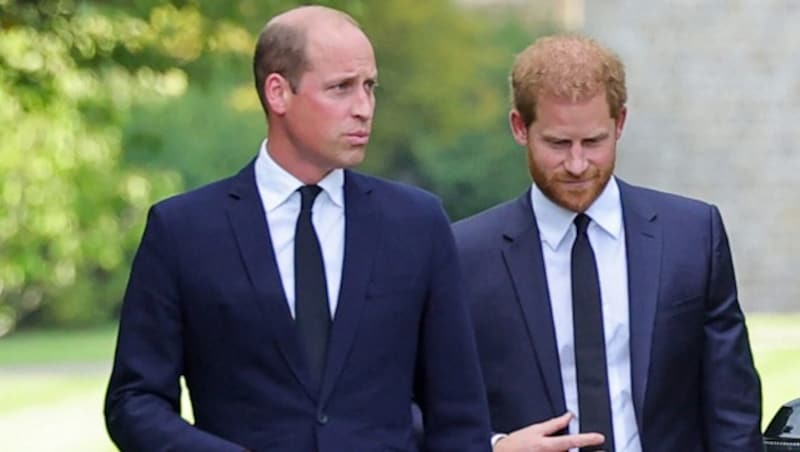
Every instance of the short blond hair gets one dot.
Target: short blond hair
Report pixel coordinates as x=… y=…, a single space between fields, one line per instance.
x=568 y=67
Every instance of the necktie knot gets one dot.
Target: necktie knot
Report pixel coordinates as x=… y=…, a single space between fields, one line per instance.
x=308 y=193
x=582 y=223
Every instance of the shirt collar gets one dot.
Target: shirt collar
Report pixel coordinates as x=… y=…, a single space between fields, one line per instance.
x=276 y=184
x=554 y=221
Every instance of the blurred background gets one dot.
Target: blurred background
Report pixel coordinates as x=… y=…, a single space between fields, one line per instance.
x=107 y=106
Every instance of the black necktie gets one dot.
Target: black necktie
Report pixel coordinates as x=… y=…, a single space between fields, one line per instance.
x=590 y=351
x=312 y=314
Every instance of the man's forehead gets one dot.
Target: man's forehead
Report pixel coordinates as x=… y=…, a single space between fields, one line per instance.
x=328 y=36
x=565 y=133
x=343 y=48
x=571 y=96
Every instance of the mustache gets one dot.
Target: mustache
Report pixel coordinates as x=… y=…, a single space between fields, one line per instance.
x=563 y=175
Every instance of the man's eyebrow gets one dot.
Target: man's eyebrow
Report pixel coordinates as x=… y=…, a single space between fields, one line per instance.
x=598 y=136
x=553 y=137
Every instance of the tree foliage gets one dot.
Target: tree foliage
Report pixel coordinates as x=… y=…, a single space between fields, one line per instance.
x=70 y=213
x=107 y=106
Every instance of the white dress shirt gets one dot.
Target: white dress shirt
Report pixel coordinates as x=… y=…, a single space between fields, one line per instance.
x=281 y=200
x=607 y=236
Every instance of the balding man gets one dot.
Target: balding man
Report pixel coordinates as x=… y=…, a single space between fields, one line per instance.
x=305 y=304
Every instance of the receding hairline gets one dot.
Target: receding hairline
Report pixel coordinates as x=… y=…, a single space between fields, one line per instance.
x=304 y=17
x=311 y=24
x=283 y=44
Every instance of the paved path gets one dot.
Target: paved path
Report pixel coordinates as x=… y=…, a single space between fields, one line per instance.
x=71 y=425
x=72 y=422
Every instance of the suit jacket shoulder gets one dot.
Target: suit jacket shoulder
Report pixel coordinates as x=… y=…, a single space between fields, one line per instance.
x=395 y=196
x=199 y=203
x=485 y=229
x=648 y=200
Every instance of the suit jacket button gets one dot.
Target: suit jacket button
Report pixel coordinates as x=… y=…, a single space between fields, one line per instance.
x=322 y=418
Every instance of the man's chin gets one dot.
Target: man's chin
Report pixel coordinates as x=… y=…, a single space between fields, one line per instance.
x=574 y=202
x=354 y=158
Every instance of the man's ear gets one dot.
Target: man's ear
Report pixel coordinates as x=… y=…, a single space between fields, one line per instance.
x=518 y=128
x=619 y=124
x=277 y=92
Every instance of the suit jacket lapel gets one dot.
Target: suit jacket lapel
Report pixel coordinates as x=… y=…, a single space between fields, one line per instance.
x=248 y=221
x=644 y=245
x=361 y=235
x=522 y=251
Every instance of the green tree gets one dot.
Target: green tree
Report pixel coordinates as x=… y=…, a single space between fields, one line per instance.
x=441 y=104
x=69 y=213
x=109 y=105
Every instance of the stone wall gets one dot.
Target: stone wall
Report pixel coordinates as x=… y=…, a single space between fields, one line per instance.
x=714 y=113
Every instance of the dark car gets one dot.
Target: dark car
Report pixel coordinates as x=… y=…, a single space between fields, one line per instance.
x=783 y=432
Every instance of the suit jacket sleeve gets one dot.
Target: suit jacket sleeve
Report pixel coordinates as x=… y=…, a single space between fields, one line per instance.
x=143 y=399
x=731 y=387
x=449 y=384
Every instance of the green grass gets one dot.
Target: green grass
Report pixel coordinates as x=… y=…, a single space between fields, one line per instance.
x=58 y=347
x=62 y=375
x=775 y=339
x=24 y=390
x=41 y=368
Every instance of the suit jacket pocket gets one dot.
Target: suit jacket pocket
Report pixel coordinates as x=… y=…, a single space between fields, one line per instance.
x=681 y=313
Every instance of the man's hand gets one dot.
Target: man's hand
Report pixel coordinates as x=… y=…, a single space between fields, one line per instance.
x=536 y=438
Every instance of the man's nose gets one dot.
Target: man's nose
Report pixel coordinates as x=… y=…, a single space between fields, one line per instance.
x=576 y=162
x=364 y=104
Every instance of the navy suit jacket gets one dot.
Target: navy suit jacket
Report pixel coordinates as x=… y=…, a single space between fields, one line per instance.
x=205 y=301
x=694 y=384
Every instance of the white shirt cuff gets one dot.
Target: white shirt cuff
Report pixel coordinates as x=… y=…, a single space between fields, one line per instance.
x=497 y=437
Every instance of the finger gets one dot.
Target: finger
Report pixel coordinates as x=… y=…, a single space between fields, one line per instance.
x=578 y=440
x=552 y=425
